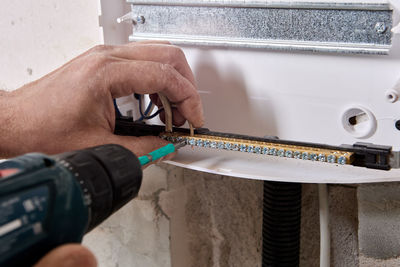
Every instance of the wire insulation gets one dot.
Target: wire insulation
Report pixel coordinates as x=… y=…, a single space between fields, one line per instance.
x=168 y=112
x=325 y=242
x=149 y=109
x=117 y=111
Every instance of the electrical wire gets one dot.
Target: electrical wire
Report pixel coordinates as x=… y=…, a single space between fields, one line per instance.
x=117 y=111
x=146 y=112
x=325 y=237
x=145 y=116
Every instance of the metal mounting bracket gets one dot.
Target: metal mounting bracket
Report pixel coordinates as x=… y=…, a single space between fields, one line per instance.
x=306 y=26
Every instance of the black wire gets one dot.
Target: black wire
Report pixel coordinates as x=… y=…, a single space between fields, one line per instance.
x=154 y=114
x=144 y=116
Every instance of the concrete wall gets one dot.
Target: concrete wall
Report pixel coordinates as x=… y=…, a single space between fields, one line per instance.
x=343 y=225
x=138 y=234
x=39 y=36
x=214 y=220
x=379 y=224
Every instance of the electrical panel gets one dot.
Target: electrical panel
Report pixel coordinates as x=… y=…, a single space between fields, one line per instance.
x=324 y=72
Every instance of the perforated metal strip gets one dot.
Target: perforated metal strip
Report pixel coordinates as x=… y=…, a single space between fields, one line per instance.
x=317 y=26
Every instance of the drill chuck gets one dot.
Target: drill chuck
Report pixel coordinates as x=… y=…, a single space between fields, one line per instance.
x=109 y=176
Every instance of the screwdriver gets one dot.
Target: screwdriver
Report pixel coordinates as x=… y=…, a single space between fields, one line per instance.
x=161 y=152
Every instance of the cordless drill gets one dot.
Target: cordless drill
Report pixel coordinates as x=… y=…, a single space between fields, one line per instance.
x=47 y=201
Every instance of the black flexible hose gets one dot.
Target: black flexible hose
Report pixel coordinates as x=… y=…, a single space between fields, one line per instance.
x=281 y=224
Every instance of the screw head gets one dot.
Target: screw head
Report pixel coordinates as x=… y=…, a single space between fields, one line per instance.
x=380 y=27
x=213 y=144
x=140 y=19
x=221 y=145
x=228 y=146
x=206 y=143
x=242 y=148
x=342 y=160
x=305 y=156
x=331 y=158
x=289 y=154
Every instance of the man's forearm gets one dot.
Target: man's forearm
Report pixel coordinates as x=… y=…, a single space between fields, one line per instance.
x=7 y=123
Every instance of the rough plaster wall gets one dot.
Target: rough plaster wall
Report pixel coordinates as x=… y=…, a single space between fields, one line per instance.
x=343 y=225
x=39 y=36
x=138 y=234
x=184 y=218
x=379 y=224
x=309 y=235
x=215 y=220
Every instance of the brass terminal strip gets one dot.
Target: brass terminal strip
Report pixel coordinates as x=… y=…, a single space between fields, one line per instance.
x=259 y=147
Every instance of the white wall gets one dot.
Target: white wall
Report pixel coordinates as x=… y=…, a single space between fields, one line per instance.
x=39 y=36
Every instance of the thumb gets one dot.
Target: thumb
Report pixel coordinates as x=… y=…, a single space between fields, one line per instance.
x=140 y=145
x=72 y=255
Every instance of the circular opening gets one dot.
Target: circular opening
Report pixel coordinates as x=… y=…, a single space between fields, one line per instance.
x=397 y=125
x=353 y=120
x=359 y=122
x=391 y=96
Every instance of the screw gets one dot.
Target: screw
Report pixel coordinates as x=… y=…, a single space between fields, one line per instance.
x=140 y=19
x=397 y=125
x=342 y=160
x=380 y=27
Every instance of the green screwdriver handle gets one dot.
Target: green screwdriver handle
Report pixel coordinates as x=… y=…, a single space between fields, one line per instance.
x=157 y=154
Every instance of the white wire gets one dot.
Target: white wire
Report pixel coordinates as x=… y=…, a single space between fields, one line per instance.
x=325 y=236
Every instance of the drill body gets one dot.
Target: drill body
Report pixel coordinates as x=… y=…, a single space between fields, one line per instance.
x=49 y=201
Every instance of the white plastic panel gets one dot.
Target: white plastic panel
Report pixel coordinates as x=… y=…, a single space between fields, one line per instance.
x=252 y=166
x=297 y=96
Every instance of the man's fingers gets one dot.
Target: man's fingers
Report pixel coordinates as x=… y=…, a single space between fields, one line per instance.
x=138 y=145
x=177 y=118
x=150 y=51
x=72 y=255
x=156 y=52
x=149 y=42
x=125 y=77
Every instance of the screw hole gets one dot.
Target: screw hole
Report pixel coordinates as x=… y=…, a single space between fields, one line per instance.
x=397 y=125
x=359 y=122
x=353 y=120
x=391 y=96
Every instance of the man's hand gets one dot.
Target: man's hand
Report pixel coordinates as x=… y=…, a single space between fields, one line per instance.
x=72 y=108
x=71 y=255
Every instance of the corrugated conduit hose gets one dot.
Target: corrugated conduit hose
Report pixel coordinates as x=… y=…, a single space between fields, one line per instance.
x=281 y=224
